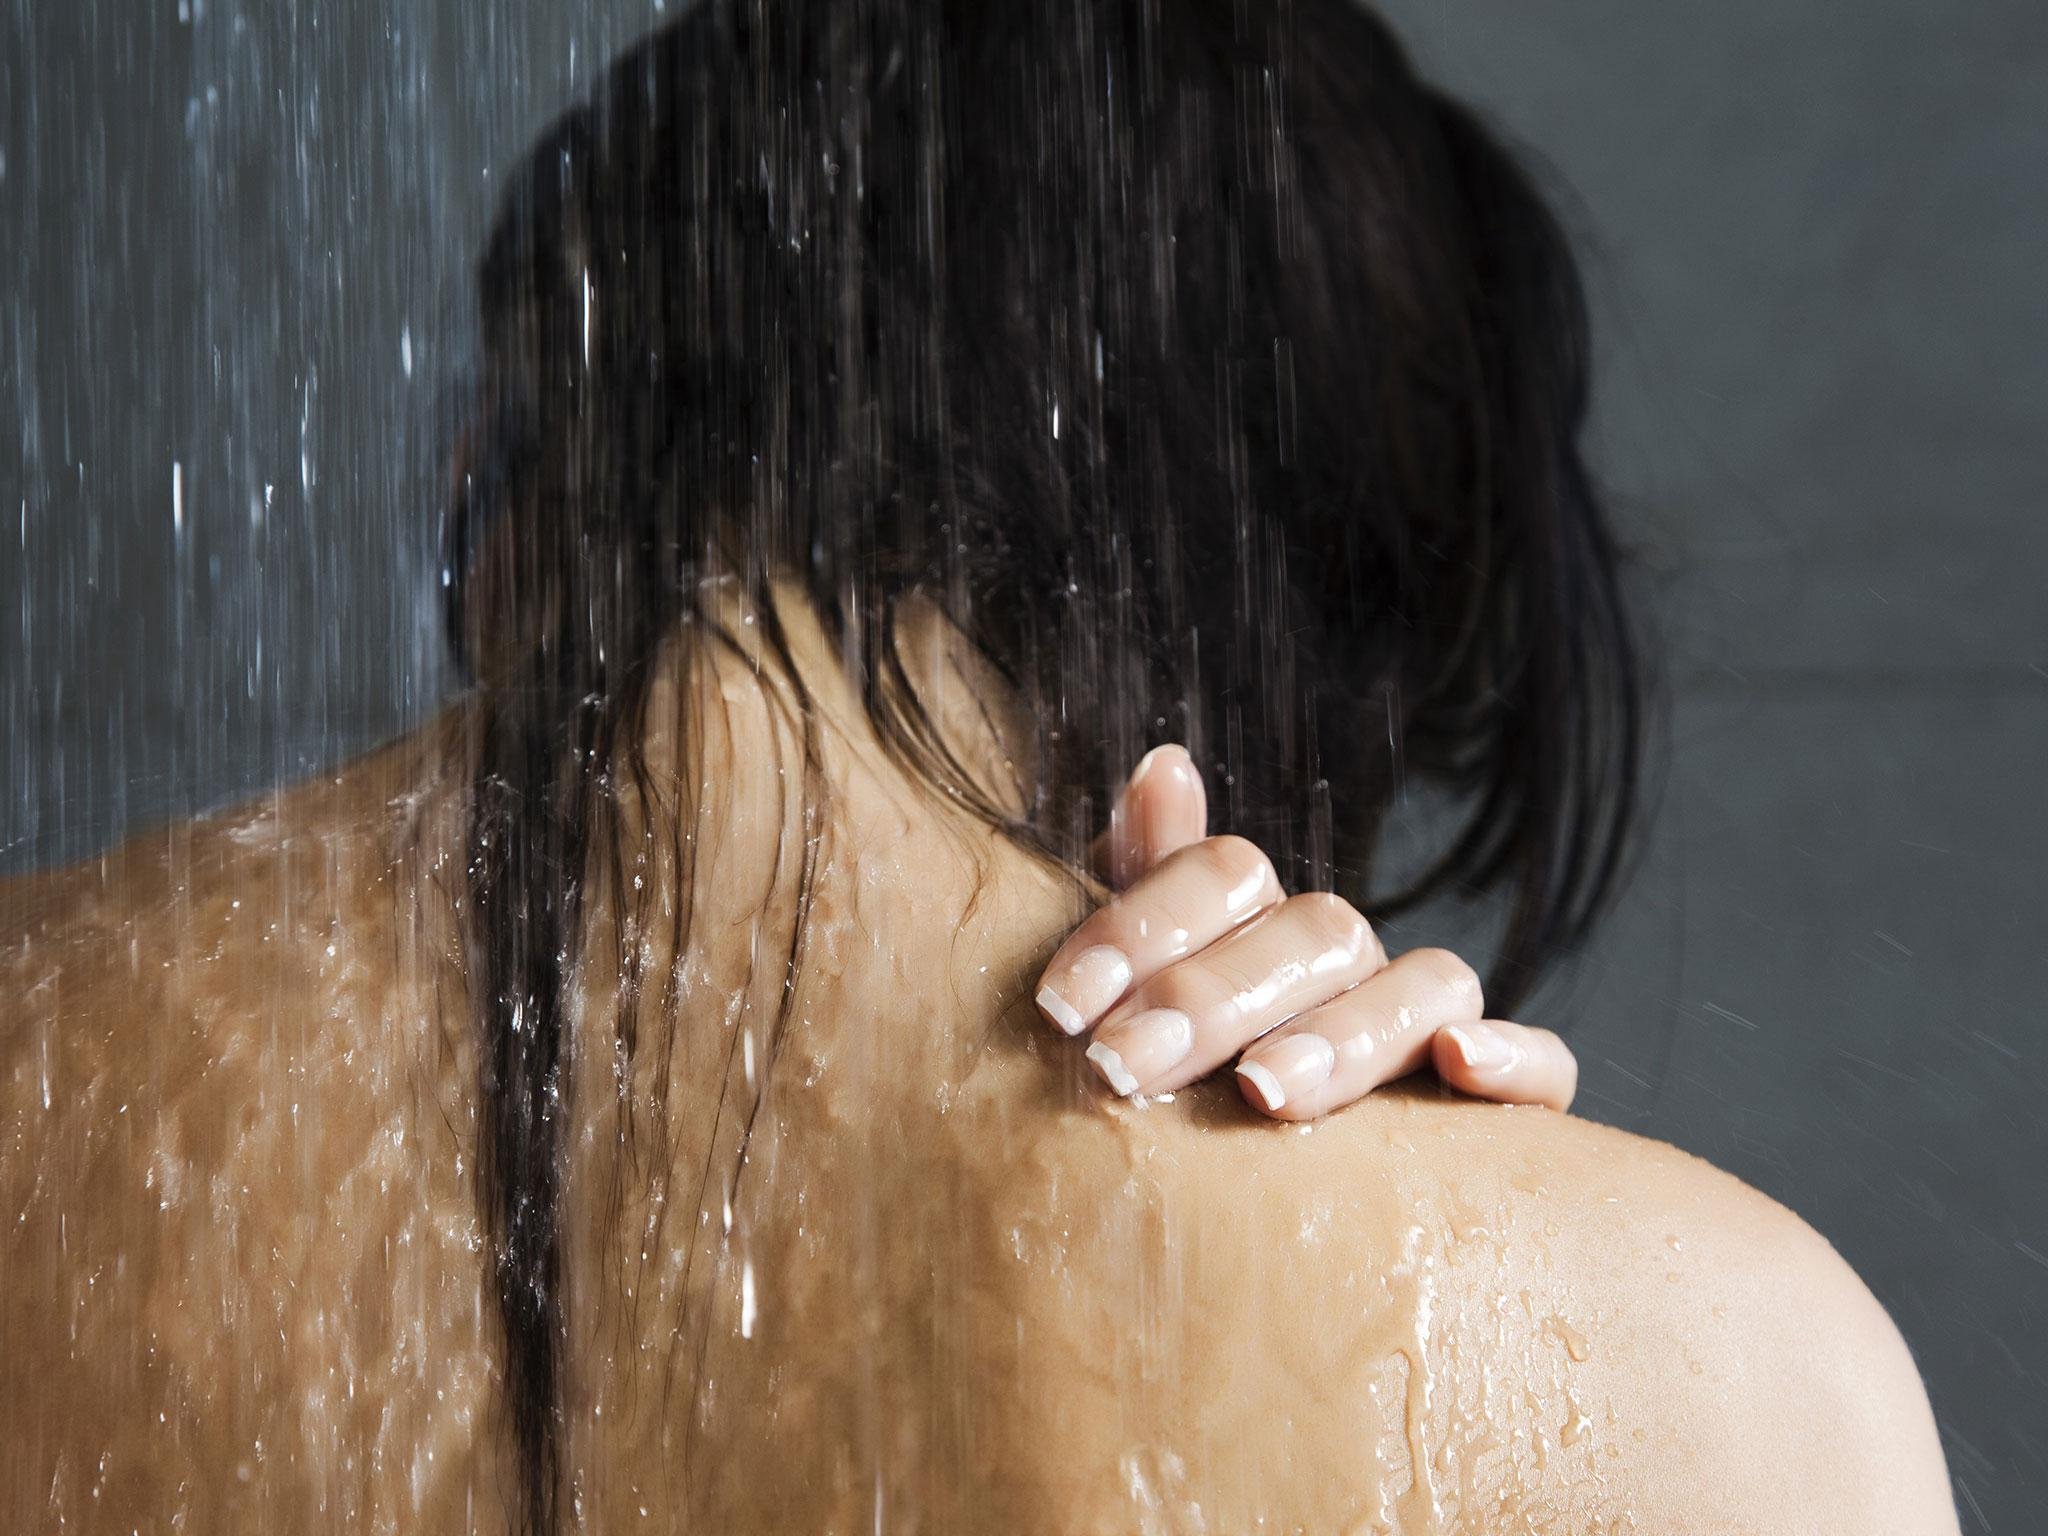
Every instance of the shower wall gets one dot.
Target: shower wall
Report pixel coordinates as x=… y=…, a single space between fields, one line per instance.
x=234 y=241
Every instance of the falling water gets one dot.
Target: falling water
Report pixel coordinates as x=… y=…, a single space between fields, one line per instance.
x=238 y=354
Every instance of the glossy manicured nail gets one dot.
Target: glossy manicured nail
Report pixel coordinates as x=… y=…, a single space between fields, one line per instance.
x=1265 y=1086
x=1287 y=1068
x=1142 y=1048
x=1174 y=758
x=1147 y=763
x=1482 y=1048
x=1088 y=984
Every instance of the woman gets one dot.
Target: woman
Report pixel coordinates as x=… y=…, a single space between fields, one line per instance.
x=623 y=1106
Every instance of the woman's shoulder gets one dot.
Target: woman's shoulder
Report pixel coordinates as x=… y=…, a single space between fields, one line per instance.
x=1533 y=1321
x=1712 y=1360
x=146 y=973
x=264 y=958
x=221 y=1116
x=1799 y=1405
x=319 y=850
x=1528 y=1320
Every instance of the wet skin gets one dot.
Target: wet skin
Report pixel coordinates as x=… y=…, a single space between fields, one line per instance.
x=894 y=1246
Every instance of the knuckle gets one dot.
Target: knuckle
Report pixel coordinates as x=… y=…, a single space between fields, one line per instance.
x=1117 y=922
x=1457 y=980
x=1235 y=861
x=1334 y=920
x=1192 y=988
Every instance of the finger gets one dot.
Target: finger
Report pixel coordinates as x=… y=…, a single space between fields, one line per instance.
x=1190 y=900
x=1508 y=1063
x=1161 y=809
x=1195 y=1015
x=1368 y=1036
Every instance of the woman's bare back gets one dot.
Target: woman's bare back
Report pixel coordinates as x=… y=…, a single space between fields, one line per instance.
x=242 y=1251
x=856 y=1245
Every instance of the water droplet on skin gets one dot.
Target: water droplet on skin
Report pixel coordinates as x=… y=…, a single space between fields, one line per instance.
x=1574 y=1341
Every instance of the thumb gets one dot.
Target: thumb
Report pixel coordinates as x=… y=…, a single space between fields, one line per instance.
x=1162 y=807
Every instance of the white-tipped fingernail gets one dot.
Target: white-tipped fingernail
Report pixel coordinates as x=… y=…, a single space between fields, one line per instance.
x=1143 y=1048
x=1060 y=1011
x=1288 y=1067
x=1112 y=1068
x=1482 y=1048
x=1174 y=754
x=1264 y=1084
x=1083 y=990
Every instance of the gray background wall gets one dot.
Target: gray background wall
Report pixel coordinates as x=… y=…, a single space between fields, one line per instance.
x=232 y=241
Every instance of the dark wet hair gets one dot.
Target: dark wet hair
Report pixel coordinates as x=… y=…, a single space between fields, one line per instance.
x=1222 y=379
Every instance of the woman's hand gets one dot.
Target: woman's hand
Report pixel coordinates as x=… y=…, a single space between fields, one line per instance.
x=1201 y=955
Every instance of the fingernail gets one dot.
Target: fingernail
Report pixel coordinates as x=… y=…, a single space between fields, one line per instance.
x=1091 y=981
x=1482 y=1048
x=1287 y=1068
x=1172 y=751
x=1142 y=1048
